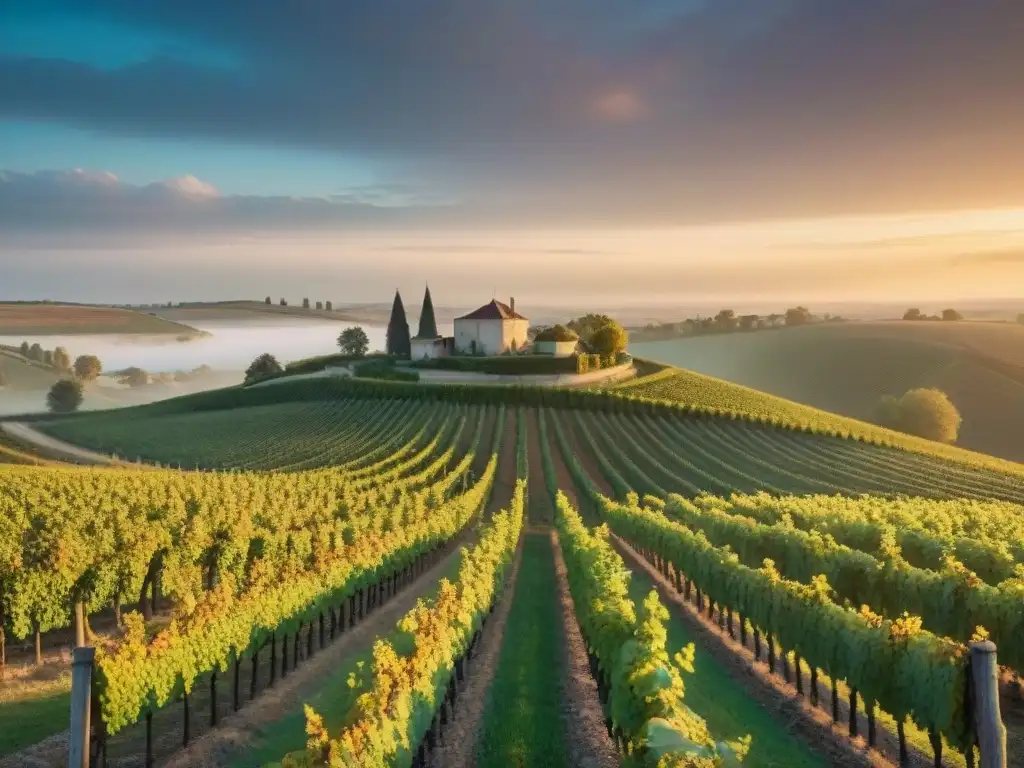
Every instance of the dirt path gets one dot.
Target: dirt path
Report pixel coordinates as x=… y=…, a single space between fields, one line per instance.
x=541 y=508
x=587 y=739
x=458 y=744
x=52 y=445
x=505 y=478
x=811 y=724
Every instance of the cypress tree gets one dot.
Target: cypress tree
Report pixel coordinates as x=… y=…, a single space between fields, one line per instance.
x=398 y=330
x=428 y=325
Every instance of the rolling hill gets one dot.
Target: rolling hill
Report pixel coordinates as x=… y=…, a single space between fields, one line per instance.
x=846 y=368
x=46 y=319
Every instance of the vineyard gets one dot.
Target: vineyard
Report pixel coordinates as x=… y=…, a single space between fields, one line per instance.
x=324 y=573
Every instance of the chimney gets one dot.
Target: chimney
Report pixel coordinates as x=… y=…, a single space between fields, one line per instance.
x=512 y=304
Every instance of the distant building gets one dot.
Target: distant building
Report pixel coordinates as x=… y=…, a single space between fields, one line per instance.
x=493 y=329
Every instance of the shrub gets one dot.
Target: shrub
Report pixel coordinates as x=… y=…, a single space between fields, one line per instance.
x=557 y=333
x=354 y=342
x=582 y=363
x=263 y=366
x=508 y=365
x=65 y=396
x=927 y=413
x=88 y=367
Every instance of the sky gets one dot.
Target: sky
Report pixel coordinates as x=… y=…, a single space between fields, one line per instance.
x=597 y=149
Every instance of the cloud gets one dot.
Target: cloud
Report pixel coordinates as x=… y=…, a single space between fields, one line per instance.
x=97 y=201
x=600 y=110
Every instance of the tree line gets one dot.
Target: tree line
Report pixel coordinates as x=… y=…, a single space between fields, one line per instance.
x=727 y=321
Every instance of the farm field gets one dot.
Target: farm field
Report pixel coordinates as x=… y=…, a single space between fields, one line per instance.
x=27 y=319
x=847 y=367
x=449 y=579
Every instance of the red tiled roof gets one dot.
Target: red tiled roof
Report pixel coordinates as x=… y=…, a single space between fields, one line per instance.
x=495 y=310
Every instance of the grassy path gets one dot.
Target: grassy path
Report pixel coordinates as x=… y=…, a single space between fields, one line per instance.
x=522 y=723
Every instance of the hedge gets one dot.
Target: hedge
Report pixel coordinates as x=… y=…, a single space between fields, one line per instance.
x=505 y=365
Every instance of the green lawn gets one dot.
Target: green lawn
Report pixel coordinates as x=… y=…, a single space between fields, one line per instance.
x=31 y=712
x=714 y=695
x=332 y=699
x=522 y=723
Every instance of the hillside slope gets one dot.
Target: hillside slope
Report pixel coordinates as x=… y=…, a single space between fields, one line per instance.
x=31 y=319
x=847 y=368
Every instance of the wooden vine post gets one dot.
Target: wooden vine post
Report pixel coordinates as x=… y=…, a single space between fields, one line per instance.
x=988 y=723
x=81 y=700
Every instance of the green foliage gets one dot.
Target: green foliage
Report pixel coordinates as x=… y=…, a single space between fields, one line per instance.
x=134 y=377
x=398 y=341
x=61 y=360
x=65 y=396
x=88 y=367
x=798 y=316
x=913 y=314
x=35 y=352
x=609 y=340
x=384 y=368
x=642 y=685
x=354 y=342
x=557 y=333
x=392 y=717
x=505 y=365
x=263 y=366
x=926 y=413
x=871 y=653
x=695 y=392
x=951 y=315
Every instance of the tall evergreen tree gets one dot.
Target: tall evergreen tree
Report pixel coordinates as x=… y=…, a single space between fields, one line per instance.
x=398 y=330
x=428 y=325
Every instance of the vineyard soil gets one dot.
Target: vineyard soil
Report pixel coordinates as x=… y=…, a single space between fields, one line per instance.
x=588 y=741
x=460 y=738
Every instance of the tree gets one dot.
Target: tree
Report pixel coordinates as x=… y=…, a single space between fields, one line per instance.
x=774 y=319
x=354 y=342
x=134 y=377
x=586 y=326
x=24 y=348
x=609 y=340
x=798 y=316
x=329 y=306
x=48 y=357
x=267 y=300
x=726 y=320
x=88 y=367
x=319 y=305
x=65 y=396
x=264 y=365
x=398 y=342
x=749 y=322
x=35 y=352
x=926 y=413
x=428 y=323
x=283 y=302
x=305 y=303
x=913 y=314
x=62 y=360
x=951 y=315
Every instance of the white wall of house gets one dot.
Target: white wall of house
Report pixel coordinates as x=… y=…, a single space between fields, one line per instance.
x=555 y=348
x=488 y=335
x=514 y=334
x=426 y=349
